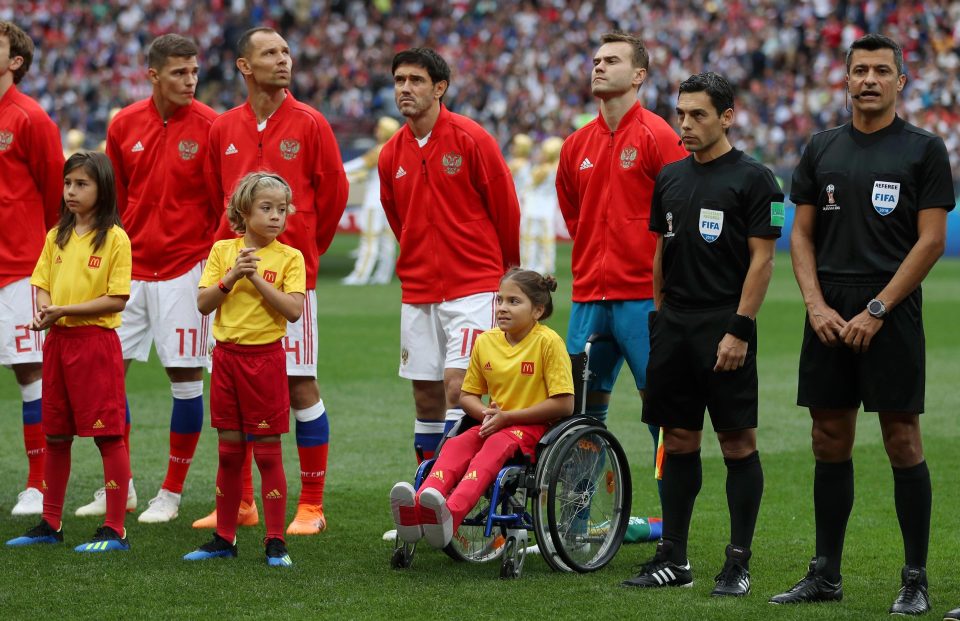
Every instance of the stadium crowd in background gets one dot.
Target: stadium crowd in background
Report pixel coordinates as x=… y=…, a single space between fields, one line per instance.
x=525 y=66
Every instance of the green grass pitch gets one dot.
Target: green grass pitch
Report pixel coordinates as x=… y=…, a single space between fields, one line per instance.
x=345 y=573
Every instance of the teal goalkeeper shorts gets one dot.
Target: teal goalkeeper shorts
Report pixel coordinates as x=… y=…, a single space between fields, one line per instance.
x=626 y=321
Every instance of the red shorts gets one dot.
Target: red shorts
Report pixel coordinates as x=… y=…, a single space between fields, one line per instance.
x=248 y=389
x=83 y=390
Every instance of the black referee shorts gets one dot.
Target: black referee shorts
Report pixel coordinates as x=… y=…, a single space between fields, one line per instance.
x=888 y=377
x=681 y=382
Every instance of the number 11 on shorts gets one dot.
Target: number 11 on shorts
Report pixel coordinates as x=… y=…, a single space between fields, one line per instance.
x=183 y=338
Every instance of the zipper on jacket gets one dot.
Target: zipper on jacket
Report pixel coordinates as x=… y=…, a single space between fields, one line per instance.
x=603 y=229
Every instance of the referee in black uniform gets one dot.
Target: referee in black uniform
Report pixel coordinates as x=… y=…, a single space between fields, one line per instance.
x=718 y=215
x=872 y=200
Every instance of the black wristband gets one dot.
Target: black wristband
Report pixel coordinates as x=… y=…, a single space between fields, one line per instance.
x=741 y=327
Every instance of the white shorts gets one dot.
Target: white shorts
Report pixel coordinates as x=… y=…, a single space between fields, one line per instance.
x=434 y=337
x=18 y=343
x=165 y=312
x=300 y=343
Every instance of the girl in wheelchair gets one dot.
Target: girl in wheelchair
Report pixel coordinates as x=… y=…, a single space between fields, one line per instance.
x=524 y=366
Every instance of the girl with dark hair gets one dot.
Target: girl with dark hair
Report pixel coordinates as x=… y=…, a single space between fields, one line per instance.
x=83 y=281
x=524 y=367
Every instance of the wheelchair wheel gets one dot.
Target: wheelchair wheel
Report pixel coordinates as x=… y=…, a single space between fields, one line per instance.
x=513 y=556
x=402 y=557
x=468 y=542
x=588 y=498
x=541 y=524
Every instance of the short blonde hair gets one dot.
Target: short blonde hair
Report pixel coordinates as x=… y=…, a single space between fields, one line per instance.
x=246 y=193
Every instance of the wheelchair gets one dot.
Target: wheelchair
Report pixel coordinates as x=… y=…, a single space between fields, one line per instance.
x=578 y=487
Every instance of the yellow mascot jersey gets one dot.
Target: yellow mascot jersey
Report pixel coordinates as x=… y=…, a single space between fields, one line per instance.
x=244 y=317
x=77 y=273
x=521 y=375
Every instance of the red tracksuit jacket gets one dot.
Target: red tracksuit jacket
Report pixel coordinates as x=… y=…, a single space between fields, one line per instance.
x=453 y=207
x=605 y=184
x=298 y=145
x=31 y=183
x=161 y=193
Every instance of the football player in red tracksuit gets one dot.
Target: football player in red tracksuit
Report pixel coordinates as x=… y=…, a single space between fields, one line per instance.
x=450 y=200
x=604 y=186
x=31 y=154
x=274 y=132
x=158 y=147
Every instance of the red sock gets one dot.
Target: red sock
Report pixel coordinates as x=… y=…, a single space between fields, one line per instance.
x=126 y=447
x=247 y=495
x=228 y=487
x=313 y=473
x=56 y=473
x=273 y=486
x=182 y=448
x=36 y=444
x=116 y=479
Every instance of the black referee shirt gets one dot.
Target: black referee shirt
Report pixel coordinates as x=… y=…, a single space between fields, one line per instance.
x=867 y=189
x=705 y=213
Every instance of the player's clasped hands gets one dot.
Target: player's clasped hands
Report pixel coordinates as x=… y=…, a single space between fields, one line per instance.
x=246 y=265
x=46 y=317
x=494 y=419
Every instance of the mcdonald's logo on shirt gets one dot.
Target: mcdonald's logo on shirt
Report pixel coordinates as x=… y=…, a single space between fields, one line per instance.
x=526 y=368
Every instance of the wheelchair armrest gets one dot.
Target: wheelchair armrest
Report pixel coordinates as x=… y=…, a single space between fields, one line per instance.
x=465 y=422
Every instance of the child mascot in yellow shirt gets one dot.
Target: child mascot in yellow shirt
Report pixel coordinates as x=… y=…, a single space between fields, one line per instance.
x=82 y=281
x=256 y=285
x=524 y=367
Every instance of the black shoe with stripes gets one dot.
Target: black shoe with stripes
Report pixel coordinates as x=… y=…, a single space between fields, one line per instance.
x=734 y=579
x=660 y=572
x=814 y=587
x=912 y=598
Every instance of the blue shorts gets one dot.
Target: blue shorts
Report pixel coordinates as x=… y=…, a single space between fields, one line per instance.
x=626 y=321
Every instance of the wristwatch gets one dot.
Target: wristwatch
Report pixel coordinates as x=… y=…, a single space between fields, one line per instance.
x=877 y=309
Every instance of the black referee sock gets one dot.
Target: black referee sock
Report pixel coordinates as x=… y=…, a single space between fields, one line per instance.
x=744 y=491
x=832 y=503
x=913 y=497
x=682 y=477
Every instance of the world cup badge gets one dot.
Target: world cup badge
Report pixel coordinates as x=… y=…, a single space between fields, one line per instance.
x=628 y=157
x=404 y=356
x=289 y=149
x=452 y=163
x=669 y=232
x=6 y=139
x=188 y=149
x=831 y=205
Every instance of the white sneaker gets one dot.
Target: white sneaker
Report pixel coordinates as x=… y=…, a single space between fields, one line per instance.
x=99 y=504
x=403 y=504
x=29 y=502
x=390 y=535
x=437 y=521
x=164 y=507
